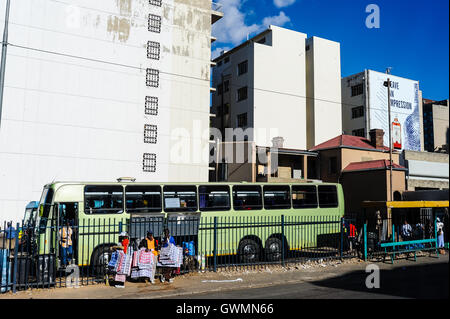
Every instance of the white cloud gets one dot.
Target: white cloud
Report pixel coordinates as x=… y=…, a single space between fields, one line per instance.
x=283 y=3
x=278 y=20
x=232 y=27
x=217 y=51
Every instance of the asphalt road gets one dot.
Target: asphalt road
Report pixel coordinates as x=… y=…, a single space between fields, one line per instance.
x=416 y=281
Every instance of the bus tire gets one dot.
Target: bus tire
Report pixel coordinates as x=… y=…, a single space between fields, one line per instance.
x=273 y=250
x=99 y=262
x=249 y=251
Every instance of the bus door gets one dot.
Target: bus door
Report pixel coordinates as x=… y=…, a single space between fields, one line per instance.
x=67 y=233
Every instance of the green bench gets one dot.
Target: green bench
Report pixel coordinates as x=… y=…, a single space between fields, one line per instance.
x=396 y=245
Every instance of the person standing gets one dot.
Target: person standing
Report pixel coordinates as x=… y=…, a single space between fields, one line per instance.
x=440 y=236
x=406 y=231
x=65 y=234
x=150 y=243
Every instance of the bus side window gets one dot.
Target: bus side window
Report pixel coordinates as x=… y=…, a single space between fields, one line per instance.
x=103 y=199
x=214 y=198
x=304 y=196
x=143 y=199
x=247 y=198
x=277 y=197
x=180 y=198
x=327 y=196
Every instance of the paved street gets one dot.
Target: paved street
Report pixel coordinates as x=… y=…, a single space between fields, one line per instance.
x=414 y=281
x=426 y=278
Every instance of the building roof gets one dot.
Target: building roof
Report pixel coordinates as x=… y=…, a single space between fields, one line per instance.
x=348 y=141
x=371 y=165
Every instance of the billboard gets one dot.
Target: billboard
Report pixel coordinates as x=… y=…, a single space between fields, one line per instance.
x=405 y=113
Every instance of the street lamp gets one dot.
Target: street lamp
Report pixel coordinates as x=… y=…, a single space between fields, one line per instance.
x=388 y=85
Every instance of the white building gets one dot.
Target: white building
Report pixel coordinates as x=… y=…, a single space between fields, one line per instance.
x=365 y=107
x=95 y=90
x=279 y=84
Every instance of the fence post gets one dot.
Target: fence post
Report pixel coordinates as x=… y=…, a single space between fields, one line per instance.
x=393 y=240
x=215 y=244
x=282 y=240
x=16 y=259
x=342 y=236
x=365 y=241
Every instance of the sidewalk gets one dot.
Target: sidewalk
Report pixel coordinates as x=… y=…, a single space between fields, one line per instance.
x=223 y=280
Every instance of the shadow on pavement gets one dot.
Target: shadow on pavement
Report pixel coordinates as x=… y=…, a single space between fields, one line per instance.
x=429 y=281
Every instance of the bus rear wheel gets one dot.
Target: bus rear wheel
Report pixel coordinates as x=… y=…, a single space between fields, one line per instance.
x=274 y=249
x=249 y=251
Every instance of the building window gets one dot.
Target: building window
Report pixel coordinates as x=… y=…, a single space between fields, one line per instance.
x=227 y=59
x=332 y=165
x=242 y=94
x=154 y=23
x=149 y=162
x=152 y=78
x=150 y=134
x=360 y=132
x=242 y=68
x=151 y=105
x=153 y=50
x=155 y=2
x=357 y=89
x=219 y=63
x=357 y=112
x=226 y=86
x=242 y=120
x=226 y=109
x=307 y=48
x=220 y=89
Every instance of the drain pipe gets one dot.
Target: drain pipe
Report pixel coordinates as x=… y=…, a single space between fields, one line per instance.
x=3 y=61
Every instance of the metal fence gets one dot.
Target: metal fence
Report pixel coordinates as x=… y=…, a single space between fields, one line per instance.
x=33 y=256
x=377 y=230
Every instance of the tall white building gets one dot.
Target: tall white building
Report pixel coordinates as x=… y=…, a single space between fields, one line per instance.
x=95 y=90
x=281 y=84
x=278 y=86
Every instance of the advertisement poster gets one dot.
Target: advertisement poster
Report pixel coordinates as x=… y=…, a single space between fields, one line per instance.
x=405 y=115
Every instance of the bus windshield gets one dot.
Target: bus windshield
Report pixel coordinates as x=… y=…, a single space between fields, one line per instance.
x=44 y=208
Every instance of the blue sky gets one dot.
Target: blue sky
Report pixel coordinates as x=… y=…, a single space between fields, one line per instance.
x=413 y=37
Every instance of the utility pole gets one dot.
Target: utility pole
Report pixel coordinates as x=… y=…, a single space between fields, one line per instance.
x=388 y=85
x=3 y=61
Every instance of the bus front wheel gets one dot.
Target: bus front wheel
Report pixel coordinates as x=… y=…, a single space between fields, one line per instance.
x=100 y=260
x=249 y=251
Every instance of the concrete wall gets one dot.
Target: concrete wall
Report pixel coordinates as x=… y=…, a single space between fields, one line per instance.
x=345 y=156
x=323 y=84
x=279 y=81
x=349 y=102
x=440 y=125
x=75 y=94
x=369 y=186
x=426 y=170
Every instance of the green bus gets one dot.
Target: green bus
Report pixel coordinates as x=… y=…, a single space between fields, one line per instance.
x=96 y=211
